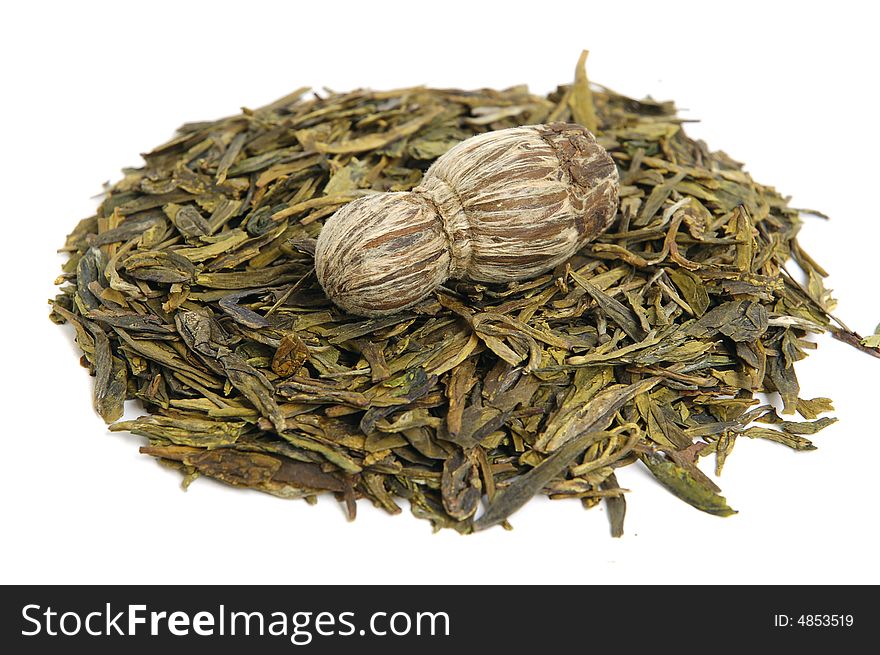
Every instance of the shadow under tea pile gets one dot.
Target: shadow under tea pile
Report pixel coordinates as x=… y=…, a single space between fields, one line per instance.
x=193 y=290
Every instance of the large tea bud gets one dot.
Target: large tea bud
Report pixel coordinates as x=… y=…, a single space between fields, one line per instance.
x=498 y=207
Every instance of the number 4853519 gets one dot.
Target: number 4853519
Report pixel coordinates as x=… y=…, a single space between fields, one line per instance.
x=825 y=620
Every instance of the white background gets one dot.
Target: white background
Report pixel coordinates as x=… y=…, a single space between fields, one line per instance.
x=789 y=88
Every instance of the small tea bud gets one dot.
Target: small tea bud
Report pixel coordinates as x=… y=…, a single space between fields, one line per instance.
x=498 y=207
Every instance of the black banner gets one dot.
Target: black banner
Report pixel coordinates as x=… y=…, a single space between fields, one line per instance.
x=430 y=619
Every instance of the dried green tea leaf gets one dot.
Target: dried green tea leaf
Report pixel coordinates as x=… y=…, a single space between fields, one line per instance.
x=872 y=341
x=805 y=427
x=616 y=506
x=110 y=378
x=782 y=378
x=614 y=309
x=192 y=290
x=682 y=483
x=810 y=409
x=742 y=320
x=581 y=100
x=588 y=430
x=376 y=141
x=460 y=485
x=793 y=441
x=156 y=266
x=692 y=290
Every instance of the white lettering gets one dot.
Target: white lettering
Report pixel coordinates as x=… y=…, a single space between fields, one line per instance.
x=373 y=624
x=247 y=621
x=24 y=615
x=345 y=621
x=324 y=618
x=134 y=619
x=113 y=624
x=49 y=614
x=393 y=620
x=203 y=624
x=298 y=632
x=280 y=622
x=433 y=616
x=94 y=633
x=178 y=624
x=77 y=622
x=155 y=617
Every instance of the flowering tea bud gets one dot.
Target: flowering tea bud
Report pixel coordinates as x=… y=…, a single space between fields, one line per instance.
x=498 y=207
x=382 y=253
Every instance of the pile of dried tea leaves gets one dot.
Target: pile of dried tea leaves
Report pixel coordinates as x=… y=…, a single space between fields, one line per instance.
x=192 y=290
